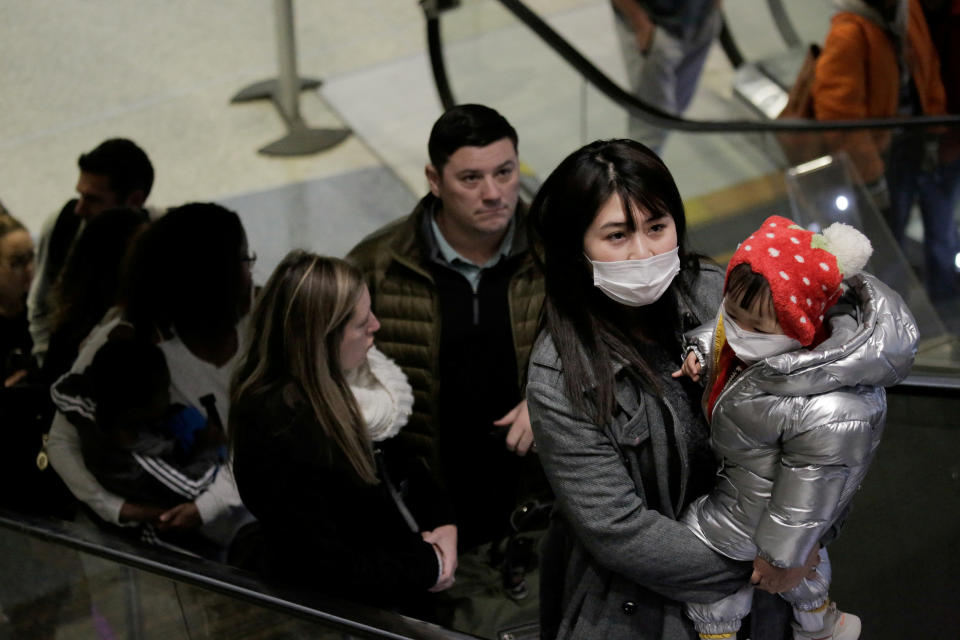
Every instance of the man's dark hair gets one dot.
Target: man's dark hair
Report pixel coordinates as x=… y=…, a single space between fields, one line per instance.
x=124 y=163
x=466 y=125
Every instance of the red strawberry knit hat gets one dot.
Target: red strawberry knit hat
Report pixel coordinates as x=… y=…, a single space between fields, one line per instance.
x=804 y=269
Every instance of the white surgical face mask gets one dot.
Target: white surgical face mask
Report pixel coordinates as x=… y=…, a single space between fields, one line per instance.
x=751 y=346
x=636 y=283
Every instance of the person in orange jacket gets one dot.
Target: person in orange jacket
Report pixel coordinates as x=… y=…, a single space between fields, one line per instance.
x=879 y=61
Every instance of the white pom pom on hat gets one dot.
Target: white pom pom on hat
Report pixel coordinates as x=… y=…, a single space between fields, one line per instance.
x=850 y=246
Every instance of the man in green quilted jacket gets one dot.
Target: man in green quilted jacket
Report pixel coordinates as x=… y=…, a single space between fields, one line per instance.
x=458 y=297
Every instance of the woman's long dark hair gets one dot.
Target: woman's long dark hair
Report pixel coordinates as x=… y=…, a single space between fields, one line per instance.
x=88 y=285
x=589 y=330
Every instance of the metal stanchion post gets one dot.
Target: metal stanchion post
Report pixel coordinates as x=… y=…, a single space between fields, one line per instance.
x=284 y=90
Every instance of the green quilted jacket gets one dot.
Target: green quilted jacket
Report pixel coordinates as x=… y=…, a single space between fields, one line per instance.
x=395 y=262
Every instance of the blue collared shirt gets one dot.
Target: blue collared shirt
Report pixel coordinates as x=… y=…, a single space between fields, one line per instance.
x=446 y=255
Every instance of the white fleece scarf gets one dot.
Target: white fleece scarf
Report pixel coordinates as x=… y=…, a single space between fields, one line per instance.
x=383 y=394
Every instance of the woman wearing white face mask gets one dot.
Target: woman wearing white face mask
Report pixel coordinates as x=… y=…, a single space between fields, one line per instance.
x=623 y=443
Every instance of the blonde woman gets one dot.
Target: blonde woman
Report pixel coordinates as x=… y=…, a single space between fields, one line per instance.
x=16 y=273
x=314 y=405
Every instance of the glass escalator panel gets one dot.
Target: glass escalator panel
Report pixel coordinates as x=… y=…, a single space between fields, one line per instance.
x=75 y=580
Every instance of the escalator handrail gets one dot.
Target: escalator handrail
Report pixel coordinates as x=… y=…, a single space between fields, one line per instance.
x=362 y=620
x=437 y=64
x=782 y=20
x=658 y=117
x=729 y=45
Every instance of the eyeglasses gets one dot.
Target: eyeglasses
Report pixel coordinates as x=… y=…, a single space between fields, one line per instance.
x=249 y=259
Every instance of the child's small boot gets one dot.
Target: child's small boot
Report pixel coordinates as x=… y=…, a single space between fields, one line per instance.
x=837 y=625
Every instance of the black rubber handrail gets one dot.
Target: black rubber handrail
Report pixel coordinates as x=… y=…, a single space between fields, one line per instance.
x=355 y=619
x=437 y=64
x=729 y=45
x=782 y=20
x=637 y=107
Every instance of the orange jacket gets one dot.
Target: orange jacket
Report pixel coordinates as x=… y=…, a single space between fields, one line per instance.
x=857 y=76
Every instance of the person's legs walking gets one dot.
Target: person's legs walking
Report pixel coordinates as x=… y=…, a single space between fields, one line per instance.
x=652 y=79
x=937 y=200
x=696 y=49
x=903 y=163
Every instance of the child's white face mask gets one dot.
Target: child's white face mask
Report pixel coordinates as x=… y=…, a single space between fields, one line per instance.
x=636 y=283
x=751 y=346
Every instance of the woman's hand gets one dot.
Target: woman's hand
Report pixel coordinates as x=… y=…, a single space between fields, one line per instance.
x=690 y=368
x=444 y=540
x=776 y=580
x=134 y=512
x=182 y=517
x=520 y=436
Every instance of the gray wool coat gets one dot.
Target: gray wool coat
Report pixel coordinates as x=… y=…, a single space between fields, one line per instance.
x=612 y=566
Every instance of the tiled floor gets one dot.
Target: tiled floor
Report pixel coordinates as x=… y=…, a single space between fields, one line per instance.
x=327 y=215
x=163 y=71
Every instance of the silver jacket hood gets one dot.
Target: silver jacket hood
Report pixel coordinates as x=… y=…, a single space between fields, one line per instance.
x=873 y=341
x=796 y=432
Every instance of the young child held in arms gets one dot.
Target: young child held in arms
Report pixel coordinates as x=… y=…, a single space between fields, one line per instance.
x=134 y=441
x=794 y=370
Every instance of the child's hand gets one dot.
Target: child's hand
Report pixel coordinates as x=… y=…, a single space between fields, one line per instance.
x=690 y=368
x=777 y=580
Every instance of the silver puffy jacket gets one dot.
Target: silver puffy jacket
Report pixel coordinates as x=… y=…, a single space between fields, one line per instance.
x=796 y=432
